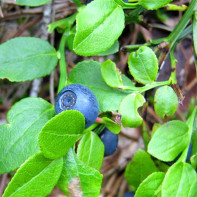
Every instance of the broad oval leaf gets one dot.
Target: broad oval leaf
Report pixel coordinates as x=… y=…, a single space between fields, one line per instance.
x=110 y=74
x=88 y=73
x=60 y=133
x=78 y=179
x=91 y=150
x=153 y=4
x=129 y=110
x=140 y=167
x=97 y=34
x=19 y=139
x=26 y=58
x=32 y=2
x=178 y=180
x=165 y=101
x=169 y=140
x=151 y=186
x=193 y=190
x=143 y=65
x=36 y=177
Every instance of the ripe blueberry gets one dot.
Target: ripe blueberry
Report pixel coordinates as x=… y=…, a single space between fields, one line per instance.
x=80 y=98
x=129 y=194
x=110 y=141
x=88 y=1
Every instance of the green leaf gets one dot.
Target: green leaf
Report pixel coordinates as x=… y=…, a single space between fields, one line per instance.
x=143 y=65
x=129 y=110
x=88 y=73
x=113 y=49
x=19 y=138
x=110 y=74
x=26 y=58
x=91 y=150
x=111 y=125
x=153 y=4
x=193 y=190
x=32 y=2
x=97 y=34
x=139 y=168
x=165 y=101
x=178 y=180
x=169 y=140
x=151 y=186
x=195 y=32
x=60 y=133
x=78 y=179
x=36 y=177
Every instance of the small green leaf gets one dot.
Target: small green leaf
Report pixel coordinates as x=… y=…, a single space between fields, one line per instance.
x=97 y=34
x=129 y=110
x=60 y=133
x=26 y=58
x=36 y=177
x=91 y=150
x=88 y=73
x=19 y=138
x=151 y=186
x=193 y=190
x=143 y=65
x=111 y=125
x=32 y=2
x=165 y=101
x=169 y=140
x=78 y=179
x=154 y=4
x=178 y=180
x=195 y=32
x=110 y=74
x=139 y=168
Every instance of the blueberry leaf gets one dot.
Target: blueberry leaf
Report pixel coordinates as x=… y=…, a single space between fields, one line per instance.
x=178 y=180
x=153 y=4
x=32 y=2
x=195 y=32
x=193 y=190
x=88 y=73
x=143 y=65
x=111 y=125
x=26 y=58
x=165 y=101
x=97 y=34
x=60 y=133
x=129 y=110
x=20 y=137
x=140 y=167
x=78 y=178
x=91 y=150
x=110 y=74
x=32 y=178
x=151 y=186
x=169 y=140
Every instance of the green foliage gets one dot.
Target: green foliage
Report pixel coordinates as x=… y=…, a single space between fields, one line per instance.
x=110 y=74
x=111 y=125
x=151 y=186
x=19 y=138
x=107 y=25
x=88 y=73
x=195 y=33
x=32 y=2
x=139 y=168
x=165 y=101
x=60 y=133
x=26 y=58
x=129 y=110
x=153 y=4
x=79 y=179
x=178 y=180
x=169 y=140
x=143 y=65
x=91 y=150
x=36 y=177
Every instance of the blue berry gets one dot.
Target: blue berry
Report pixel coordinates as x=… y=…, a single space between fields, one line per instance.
x=88 y=1
x=80 y=98
x=110 y=141
x=129 y=194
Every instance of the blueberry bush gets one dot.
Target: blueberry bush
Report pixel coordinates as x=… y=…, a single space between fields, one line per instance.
x=65 y=144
